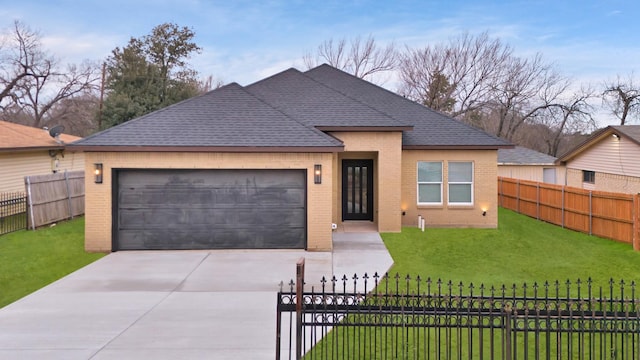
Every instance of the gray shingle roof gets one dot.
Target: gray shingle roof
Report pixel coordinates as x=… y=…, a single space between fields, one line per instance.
x=430 y=128
x=285 y=111
x=225 y=117
x=523 y=156
x=315 y=104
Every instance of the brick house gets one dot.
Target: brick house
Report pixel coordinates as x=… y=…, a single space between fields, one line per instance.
x=606 y=161
x=276 y=163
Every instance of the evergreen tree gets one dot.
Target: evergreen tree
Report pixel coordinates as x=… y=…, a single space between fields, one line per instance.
x=149 y=73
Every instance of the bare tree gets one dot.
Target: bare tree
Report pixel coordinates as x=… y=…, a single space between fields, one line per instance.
x=479 y=80
x=571 y=116
x=525 y=89
x=32 y=82
x=362 y=58
x=40 y=93
x=20 y=58
x=471 y=66
x=76 y=113
x=622 y=98
x=211 y=83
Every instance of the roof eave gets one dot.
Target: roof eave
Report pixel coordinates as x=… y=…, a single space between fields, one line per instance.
x=32 y=148
x=590 y=141
x=456 y=147
x=526 y=164
x=365 y=128
x=227 y=149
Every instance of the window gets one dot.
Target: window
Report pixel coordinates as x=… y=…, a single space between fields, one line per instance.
x=430 y=182
x=549 y=175
x=460 y=180
x=589 y=176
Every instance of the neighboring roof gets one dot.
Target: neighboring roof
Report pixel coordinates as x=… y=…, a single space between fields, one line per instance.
x=16 y=137
x=522 y=156
x=630 y=132
x=225 y=118
x=431 y=129
x=289 y=111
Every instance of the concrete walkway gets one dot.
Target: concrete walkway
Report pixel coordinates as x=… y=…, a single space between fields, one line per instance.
x=173 y=304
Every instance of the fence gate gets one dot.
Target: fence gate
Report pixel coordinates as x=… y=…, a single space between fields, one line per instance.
x=13 y=212
x=394 y=317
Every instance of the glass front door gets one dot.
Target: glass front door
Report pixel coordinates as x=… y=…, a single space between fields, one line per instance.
x=357 y=190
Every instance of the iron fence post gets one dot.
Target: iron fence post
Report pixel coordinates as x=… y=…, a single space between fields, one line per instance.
x=507 y=330
x=299 y=301
x=278 y=324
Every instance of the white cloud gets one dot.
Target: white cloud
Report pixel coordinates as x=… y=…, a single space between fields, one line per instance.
x=77 y=48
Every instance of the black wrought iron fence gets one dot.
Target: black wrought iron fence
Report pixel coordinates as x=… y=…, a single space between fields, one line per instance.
x=13 y=212
x=394 y=317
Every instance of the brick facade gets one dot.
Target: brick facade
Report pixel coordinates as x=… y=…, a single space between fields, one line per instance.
x=605 y=182
x=395 y=184
x=385 y=149
x=484 y=190
x=98 y=205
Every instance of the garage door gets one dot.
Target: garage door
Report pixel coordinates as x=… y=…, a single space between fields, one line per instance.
x=210 y=209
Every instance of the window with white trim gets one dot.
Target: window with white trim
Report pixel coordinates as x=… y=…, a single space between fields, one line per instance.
x=460 y=183
x=429 y=183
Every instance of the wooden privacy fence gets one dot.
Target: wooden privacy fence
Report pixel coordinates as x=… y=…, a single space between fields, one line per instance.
x=54 y=197
x=610 y=215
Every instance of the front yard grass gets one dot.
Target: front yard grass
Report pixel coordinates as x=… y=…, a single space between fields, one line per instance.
x=30 y=259
x=521 y=250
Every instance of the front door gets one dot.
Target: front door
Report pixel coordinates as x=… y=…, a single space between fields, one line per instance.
x=357 y=190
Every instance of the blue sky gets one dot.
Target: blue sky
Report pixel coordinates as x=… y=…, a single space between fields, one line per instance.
x=244 y=41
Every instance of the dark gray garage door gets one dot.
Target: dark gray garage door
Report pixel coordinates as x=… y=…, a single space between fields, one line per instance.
x=210 y=209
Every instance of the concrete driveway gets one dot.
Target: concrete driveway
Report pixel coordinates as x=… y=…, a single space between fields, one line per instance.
x=173 y=304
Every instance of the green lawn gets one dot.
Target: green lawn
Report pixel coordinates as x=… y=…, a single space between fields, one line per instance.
x=30 y=259
x=12 y=223
x=521 y=250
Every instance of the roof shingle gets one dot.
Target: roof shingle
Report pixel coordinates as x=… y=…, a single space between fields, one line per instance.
x=430 y=128
x=21 y=137
x=225 y=117
x=523 y=156
x=315 y=104
x=289 y=110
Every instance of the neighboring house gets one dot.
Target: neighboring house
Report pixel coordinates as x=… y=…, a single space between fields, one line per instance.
x=26 y=151
x=276 y=163
x=609 y=160
x=526 y=164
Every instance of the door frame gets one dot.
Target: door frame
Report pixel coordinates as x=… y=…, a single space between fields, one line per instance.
x=368 y=163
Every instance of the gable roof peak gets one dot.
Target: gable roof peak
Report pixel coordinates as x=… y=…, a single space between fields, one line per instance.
x=290 y=70
x=630 y=132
